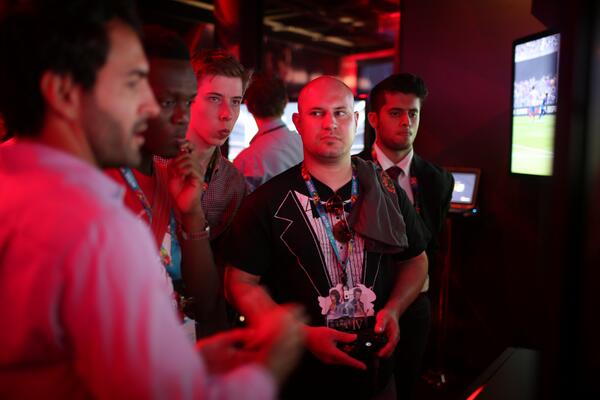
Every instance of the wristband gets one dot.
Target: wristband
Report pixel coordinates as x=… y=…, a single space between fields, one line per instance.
x=204 y=234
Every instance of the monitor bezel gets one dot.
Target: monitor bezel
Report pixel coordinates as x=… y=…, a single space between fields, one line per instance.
x=473 y=203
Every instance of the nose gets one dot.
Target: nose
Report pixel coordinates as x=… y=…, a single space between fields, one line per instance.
x=225 y=113
x=329 y=121
x=405 y=119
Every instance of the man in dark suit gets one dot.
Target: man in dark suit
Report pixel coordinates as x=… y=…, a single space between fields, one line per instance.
x=394 y=114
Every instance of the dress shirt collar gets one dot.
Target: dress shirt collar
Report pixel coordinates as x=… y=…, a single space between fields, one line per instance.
x=270 y=126
x=27 y=157
x=386 y=163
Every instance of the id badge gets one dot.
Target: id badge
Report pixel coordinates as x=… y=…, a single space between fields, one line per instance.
x=347 y=309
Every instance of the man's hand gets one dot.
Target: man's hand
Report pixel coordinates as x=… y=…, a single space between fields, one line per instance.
x=387 y=323
x=322 y=342
x=276 y=342
x=278 y=339
x=224 y=351
x=186 y=181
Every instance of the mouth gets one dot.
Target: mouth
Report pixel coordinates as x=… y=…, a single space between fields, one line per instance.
x=223 y=133
x=330 y=138
x=138 y=138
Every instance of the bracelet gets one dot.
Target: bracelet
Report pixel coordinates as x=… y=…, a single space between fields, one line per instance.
x=204 y=234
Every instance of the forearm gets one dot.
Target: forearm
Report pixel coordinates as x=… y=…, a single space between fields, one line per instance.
x=245 y=293
x=198 y=267
x=409 y=281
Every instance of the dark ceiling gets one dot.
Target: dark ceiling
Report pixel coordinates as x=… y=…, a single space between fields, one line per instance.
x=341 y=27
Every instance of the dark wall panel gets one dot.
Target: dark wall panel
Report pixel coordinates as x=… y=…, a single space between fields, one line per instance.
x=463 y=50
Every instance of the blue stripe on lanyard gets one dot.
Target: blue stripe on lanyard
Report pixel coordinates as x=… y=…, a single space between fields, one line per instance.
x=312 y=190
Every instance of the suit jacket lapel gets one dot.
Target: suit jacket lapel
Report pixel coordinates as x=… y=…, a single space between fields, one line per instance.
x=300 y=239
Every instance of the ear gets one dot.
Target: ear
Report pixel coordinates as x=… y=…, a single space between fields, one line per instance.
x=296 y=121
x=62 y=94
x=373 y=119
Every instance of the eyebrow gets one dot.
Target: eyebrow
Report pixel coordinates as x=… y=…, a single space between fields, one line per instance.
x=318 y=108
x=402 y=109
x=139 y=73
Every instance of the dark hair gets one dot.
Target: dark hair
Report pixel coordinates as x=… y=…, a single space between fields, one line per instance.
x=266 y=96
x=68 y=37
x=359 y=290
x=160 y=42
x=404 y=83
x=219 y=63
x=335 y=294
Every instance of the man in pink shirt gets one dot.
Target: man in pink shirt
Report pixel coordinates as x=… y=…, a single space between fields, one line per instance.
x=84 y=301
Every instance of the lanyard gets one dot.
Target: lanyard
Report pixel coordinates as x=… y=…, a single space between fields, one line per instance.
x=267 y=131
x=133 y=184
x=170 y=259
x=414 y=182
x=312 y=190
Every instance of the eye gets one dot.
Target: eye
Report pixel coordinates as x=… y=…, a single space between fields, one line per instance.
x=316 y=113
x=394 y=113
x=132 y=84
x=341 y=113
x=413 y=113
x=236 y=102
x=168 y=103
x=214 y=99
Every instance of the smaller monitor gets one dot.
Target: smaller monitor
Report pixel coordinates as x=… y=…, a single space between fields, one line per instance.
x=466 y=183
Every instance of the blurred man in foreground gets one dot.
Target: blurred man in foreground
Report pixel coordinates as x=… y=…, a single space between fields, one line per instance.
x=83 y=298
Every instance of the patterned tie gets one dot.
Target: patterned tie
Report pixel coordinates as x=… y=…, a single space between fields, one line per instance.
x=394 y=172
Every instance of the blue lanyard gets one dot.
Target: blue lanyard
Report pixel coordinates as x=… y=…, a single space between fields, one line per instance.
x=173 y=262
x=133 y=184
x=312 y=190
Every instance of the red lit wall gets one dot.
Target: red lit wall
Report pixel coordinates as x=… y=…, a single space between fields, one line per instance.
x=462 y=49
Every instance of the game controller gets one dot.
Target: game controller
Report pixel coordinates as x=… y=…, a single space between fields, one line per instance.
x=366 y=345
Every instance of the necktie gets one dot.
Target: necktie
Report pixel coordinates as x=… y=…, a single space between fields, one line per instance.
x=394 y=172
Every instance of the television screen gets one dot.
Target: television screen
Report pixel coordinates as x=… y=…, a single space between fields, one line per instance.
x=245 y=128
x=535 y=84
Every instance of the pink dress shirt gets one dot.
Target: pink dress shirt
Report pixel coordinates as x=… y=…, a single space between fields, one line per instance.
x=85 y=309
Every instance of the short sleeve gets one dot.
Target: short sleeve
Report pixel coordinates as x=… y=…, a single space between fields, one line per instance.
x=251 y=235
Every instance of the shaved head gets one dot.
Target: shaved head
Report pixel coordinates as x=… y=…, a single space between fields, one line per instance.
x=326 y=120
x=322 y=85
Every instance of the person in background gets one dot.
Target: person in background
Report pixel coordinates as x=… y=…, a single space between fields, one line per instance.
x=395 y=114
x=84 y=302
x=165 y=190
x=274 y=148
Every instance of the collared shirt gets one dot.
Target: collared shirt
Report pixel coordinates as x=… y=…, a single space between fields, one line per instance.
x=273 y=150
x=223 y=196
x=403 y=181
x=404 y=164
x=84 y=300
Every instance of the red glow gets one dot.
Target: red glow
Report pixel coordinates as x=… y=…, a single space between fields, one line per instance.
x=476 y=393
x=388 y=22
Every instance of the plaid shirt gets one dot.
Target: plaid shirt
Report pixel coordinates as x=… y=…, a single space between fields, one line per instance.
x=223 y=197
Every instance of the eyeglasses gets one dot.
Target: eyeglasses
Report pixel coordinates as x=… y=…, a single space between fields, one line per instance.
x=335 y=205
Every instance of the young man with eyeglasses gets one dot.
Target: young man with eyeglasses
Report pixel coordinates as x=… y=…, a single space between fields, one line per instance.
x=329 y=225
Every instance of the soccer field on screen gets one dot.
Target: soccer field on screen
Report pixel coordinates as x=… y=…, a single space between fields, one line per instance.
x=532 y=146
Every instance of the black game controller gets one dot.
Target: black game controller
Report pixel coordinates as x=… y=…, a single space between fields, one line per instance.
x=366 y=345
